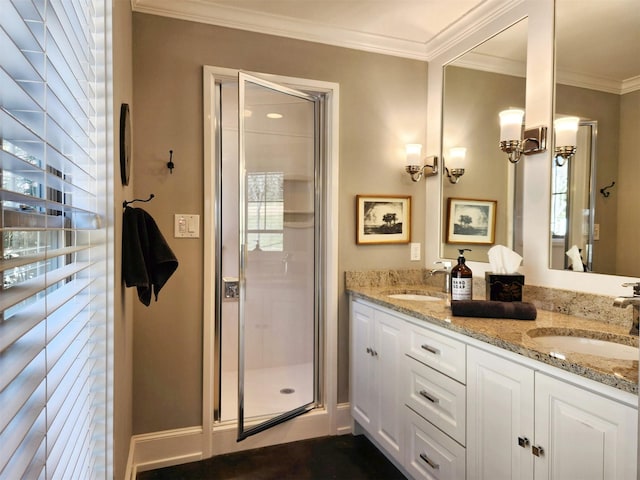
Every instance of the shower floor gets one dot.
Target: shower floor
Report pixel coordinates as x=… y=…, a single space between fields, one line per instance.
x=268 y=391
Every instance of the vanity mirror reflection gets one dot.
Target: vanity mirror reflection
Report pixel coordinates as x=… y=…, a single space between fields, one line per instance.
x=476 y=87
x=598 y=80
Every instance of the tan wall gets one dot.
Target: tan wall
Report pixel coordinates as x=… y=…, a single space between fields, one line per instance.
x=122 y=301
x=383 y=106
x=627 y=256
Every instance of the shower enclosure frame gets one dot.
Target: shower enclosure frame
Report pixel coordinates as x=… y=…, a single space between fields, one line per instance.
x=218 y=436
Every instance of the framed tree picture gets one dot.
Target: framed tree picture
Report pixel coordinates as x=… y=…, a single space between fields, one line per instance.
x=471 y=221
x=383 y=219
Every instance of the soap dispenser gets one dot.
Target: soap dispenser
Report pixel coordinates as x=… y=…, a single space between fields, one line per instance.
x=461 y=279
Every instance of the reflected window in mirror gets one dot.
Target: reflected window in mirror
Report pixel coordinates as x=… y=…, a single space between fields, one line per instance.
x=477 y=86
x=598 y=80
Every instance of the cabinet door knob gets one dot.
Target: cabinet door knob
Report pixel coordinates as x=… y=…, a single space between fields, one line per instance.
x=430 y=462
x=369 y=351
x=523 y=442
x=431 y=398
x=537 y=450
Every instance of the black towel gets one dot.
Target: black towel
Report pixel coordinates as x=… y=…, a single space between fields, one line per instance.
x=147 y=260
x=493 y=309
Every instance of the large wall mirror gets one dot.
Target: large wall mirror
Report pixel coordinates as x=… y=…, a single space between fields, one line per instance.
x=595 y=196
x=478 y=85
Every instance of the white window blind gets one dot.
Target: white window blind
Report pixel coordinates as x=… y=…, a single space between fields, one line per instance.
x=54 y=367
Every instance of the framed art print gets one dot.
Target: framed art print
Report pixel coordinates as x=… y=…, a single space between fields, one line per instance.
x=471 y=221
x=383 y=219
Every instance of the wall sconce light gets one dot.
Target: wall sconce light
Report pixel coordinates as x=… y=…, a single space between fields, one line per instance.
x=455 y=160
x=513 y=143
x=566 y=138
x=413 y=163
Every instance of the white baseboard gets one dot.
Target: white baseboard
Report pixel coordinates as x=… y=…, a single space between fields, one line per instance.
x=163 y=449
x=174 y=447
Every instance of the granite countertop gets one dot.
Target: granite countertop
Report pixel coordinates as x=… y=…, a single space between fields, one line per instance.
x=518 y=335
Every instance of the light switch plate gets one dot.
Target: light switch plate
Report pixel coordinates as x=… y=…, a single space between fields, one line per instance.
x=186 y=226
x=415 y=251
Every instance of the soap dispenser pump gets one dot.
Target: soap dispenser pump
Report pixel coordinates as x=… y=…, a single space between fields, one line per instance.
x=461 y=279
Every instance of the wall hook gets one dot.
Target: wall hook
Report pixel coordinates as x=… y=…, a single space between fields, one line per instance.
x=170 y=163
x=605 y=190
x=127 y=202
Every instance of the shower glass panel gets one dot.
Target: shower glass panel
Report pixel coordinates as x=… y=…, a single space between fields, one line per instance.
x=278 y=251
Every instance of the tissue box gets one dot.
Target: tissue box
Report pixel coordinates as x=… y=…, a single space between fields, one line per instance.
x=504 y=287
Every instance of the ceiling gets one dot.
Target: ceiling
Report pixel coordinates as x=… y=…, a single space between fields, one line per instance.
x=605 y=58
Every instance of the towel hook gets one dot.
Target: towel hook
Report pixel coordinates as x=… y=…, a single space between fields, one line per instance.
x=604 y=190
x=170 y=164
x=127 y=202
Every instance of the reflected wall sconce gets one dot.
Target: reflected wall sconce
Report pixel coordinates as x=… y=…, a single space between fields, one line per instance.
x=513 y=142
x=566 y=129
x=413 y=163
x=455 y=160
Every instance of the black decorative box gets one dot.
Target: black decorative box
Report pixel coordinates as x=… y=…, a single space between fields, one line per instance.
x=504 y=287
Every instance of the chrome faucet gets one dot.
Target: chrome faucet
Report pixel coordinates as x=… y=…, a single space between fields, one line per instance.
x=446 y=271
x=623 y=302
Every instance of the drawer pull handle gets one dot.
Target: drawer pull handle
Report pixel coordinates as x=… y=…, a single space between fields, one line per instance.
x=430 y=349
x=431 y=463
x=431 y=398
x=537 y=450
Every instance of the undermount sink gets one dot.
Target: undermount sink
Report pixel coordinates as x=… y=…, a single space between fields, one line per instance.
x=560 y=342
x=418 y=297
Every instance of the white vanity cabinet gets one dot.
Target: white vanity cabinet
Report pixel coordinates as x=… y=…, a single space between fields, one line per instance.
x=376 y=354
x=446 y=406
x=525 y=424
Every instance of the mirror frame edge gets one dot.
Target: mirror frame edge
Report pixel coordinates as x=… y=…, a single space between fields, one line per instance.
x=434 y=128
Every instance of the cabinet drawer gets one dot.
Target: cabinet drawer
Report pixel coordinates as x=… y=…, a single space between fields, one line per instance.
x=430 y=454
x=438 y=351
x=437 y=398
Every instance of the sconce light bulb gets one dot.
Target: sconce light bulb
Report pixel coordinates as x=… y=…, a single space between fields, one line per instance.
x=566 y=129
x=511 y=124
x=414 y=153
x=457 y=156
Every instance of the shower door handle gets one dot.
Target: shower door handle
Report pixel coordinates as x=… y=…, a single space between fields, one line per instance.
x=231 y=288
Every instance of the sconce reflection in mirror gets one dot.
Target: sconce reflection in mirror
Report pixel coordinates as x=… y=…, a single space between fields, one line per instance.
x=413 y=163
x=566 y=129
x=455 y=162
x=513 y=143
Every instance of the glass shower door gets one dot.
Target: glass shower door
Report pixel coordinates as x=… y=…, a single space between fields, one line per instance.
x=278 y=318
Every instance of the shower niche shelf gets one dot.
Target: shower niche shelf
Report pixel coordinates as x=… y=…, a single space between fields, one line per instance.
x=298 y=201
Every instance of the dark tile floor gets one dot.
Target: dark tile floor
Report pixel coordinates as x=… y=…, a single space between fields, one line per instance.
x=344 y=457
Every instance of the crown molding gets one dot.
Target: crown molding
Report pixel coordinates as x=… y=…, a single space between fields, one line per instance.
x=242 y=19
x=473 y=21
x=598 y=83
x=238 y=18
x=487 y=63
